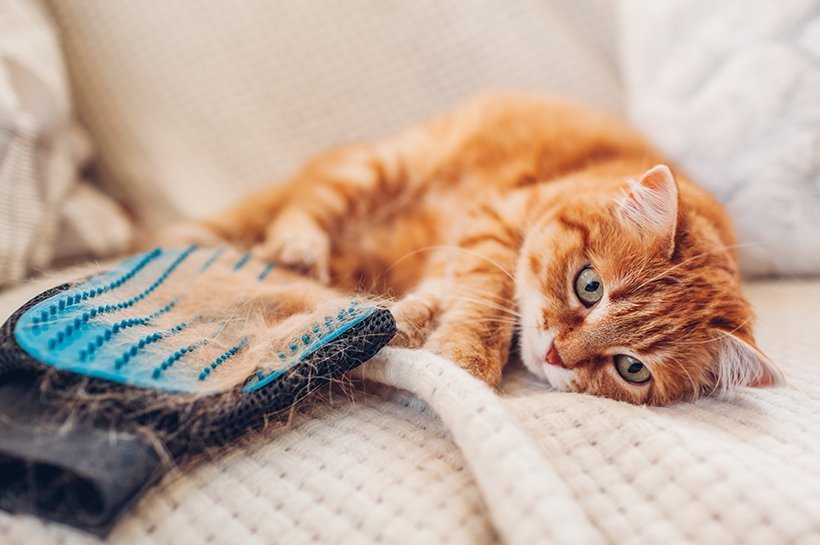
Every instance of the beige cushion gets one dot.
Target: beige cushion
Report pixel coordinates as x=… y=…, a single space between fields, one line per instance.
x=193 y=102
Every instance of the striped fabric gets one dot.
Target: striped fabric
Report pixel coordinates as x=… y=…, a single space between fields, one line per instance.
x=46 y=212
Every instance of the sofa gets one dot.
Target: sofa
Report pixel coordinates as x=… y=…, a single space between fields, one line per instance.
x=122 y=117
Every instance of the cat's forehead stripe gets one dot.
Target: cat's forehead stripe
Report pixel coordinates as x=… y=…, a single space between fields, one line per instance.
x=575 y=226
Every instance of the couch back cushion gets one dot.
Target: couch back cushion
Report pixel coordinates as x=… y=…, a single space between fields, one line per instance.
x=194 y=102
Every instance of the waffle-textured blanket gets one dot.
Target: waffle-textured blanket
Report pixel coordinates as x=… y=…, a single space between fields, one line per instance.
x=441 y=458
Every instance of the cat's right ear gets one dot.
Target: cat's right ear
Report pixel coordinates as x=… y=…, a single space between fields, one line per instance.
x=650 y=205
x=740 y=363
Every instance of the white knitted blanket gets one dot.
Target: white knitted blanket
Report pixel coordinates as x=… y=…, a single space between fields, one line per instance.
x=463 y=464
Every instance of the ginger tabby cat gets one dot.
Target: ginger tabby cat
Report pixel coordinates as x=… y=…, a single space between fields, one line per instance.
x=515 y=213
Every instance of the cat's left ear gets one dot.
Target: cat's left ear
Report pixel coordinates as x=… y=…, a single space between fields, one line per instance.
x=742 y=364
x=651 y=206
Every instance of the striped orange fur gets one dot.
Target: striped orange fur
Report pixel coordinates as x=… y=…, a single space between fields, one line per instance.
x=479 y=222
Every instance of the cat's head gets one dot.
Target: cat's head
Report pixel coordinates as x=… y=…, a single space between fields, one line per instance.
x=633 y=294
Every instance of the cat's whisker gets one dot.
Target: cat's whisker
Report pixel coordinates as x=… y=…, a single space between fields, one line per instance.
x=461 y=293
x=486 y=303
x=689 y=376
x=472 y=289
x=500 y=320
x=442 y=247
x=478 y=290
x=692 y=258
x=479 y=301
x=720 y=334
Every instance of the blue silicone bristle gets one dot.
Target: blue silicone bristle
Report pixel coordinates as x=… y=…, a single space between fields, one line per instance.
x=173 y=358
x=211 y=260
x=266 y=271
x=77 y=331
x=311 y=343
x=242 y=261
x=126 y=325
x=147 y=340
x=222 y=358
x=127 y=303
x=90 y=293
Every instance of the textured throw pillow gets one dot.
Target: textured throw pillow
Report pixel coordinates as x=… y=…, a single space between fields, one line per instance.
x=194 y=102
x=731 y=90
x=45 y=212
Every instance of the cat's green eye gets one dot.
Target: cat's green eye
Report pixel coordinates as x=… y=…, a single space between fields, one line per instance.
x=589 y=288
x=631 y=370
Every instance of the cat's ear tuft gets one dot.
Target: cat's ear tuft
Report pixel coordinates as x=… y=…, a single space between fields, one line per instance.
x=742 y=364
x=651 y=205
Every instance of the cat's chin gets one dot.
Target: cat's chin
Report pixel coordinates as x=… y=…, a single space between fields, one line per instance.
x=533 y=353
x=560 y=379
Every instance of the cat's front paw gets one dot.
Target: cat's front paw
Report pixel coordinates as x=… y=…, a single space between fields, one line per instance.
x=297 y=243
x=469 y=357
x=414 y=317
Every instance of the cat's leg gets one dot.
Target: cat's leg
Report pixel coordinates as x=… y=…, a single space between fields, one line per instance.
x=294 y=239
x=338 y=188
x=476 y=324
x=293 y=224
x=416 y=315
x=465 y=310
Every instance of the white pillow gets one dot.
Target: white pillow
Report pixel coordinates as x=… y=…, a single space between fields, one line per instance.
x=45 y=213
x=731 y=90
x=194 y=102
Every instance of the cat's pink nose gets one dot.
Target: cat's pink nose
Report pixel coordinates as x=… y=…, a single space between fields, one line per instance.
x=554 y=358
